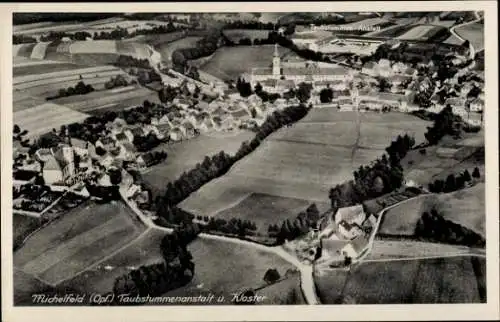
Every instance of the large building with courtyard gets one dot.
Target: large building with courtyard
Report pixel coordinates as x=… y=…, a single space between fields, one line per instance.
x=284 y=75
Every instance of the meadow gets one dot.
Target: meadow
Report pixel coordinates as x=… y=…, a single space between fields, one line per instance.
x=43 y=118
x=465 y=207
x=474 y=33
x=101 y=278
x=302 y=161
x=42 y=68
x=183 y=156
x=420 y=32
x=76 y=241
x=228 y=63
x=424 y=281
x=239 y=267
x=167 y=48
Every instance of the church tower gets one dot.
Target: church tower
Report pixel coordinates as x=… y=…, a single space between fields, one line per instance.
x=276 y=62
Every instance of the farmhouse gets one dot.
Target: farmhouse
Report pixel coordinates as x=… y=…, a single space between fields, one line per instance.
x=476 y=105
x=332 y=248
x=353 y=214
x=356 y=246
x=349 y=231
x=297 y=72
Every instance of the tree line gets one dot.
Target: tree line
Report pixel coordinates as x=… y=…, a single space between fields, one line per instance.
x=290 y=230
x=80 y=89
x=454 y=182
x=175 y=270
x=22 y=39
x=384 y=175
x=433 y=227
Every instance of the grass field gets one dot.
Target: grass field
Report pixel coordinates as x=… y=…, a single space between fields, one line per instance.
x=42 y=68
x=474 y=33
x=386 y=249
x=35 y=79
x=229 y=63
x=92 y=47
x=465 y=207
x=286 y=291
x=424 y=281
x=265 y=209
x=39 y=50
x=237 y=34
x=23 y=226
x=238 y=268
x=166 y=49
x=305 y=160
x=77 y=240
x=145 y=251
x=420 y=32
x=43 y=118
x=25 y=286
x=183 y=156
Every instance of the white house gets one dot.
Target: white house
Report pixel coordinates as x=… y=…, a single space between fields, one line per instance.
x=352 y=215
x=476 y=105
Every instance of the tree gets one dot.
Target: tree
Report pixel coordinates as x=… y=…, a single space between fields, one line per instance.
x=378 y=184
x=115 y=176
x=467 y=177
x=475 y=173
x=450 y=184
x=304 y=92
x=326 y=95
x=383 y=84
x=100 y=151
x=17 y=129
x=258 y=88
x=271 y=276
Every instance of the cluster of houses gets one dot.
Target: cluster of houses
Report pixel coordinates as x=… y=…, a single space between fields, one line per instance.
x=346 y=233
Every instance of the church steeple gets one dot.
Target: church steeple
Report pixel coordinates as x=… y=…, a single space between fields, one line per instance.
x=276 y=53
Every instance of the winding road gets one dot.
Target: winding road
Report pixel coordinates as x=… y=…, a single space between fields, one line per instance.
x=472 y=51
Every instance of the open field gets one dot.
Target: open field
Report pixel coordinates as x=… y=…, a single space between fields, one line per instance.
x=25 y=286
x=91 y=47
x=22 y=101
x=229 y=63
x=43 y=118
x=145 y=251
x=286 y=291
x=420 y=32
x=42 y=68
x=23 y=226
x=77 y=240
x=39 y=50
x=465 y=207
x=238 y=268
x=387 y=249
x=33 y=29
x=64 y=75
x=437 y=162
x=106 y=99
x=436 y=280
x=474 y=33
x=237 y=34
x=265 y=209
x=183 y=156
x=134 y=49
x=303 y=161
x=166 y=49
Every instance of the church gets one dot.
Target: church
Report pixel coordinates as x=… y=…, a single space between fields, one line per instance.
x=282 y=76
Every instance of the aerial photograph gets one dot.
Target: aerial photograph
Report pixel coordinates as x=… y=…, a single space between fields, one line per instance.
x=248 y=158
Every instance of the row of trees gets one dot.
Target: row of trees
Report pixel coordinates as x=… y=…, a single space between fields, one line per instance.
x=219 y=164
x=176 y=269
x=129 y=61
x=382 y=176
x=118 y=81
x=433 y=227
x=454 y=182
x=80 y=89
x=289 y=230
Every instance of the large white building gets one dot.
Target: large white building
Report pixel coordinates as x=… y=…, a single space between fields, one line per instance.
x=297 y=72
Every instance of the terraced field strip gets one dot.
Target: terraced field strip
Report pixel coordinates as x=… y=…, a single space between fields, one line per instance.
x=39 y=50
x=61 y=74
x=43 y=118
x=92 y=47
x=41 y=67
x=88 y=105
